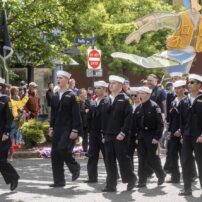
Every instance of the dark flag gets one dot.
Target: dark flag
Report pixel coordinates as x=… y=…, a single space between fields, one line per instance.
x=5 y=46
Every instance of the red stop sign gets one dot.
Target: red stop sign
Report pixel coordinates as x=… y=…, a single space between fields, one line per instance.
x=94 y=59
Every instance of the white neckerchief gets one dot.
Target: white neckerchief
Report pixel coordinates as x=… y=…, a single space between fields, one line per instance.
x=134 y=107
x=177 y=101
x=191 y=99
x=61 y=93
x=112 y=98
x=97 y=102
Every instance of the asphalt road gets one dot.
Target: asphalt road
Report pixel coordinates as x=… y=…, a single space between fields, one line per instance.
x=36 y=175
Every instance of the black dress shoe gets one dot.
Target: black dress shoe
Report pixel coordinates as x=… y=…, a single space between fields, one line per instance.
x=13 y=185
x=185 y=193
x=90 y=181
x=141 y=185
x=107 y=189
x=130 y=185
x=161 y=180
x=57 y=185
x=76 y=174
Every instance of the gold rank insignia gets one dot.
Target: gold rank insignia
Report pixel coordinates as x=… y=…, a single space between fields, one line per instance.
x=77 y=99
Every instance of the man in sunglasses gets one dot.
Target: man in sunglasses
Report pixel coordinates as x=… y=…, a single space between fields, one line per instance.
x=192 y=134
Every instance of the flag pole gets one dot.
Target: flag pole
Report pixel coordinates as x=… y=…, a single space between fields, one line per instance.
x=7 y=50
x=4 y=60
x=6 y=71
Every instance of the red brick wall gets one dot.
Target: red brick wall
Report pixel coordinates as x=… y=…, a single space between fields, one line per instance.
x=197 y=64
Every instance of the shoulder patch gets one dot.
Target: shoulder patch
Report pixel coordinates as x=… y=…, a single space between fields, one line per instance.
x=77 y=99
x=68 y=96
x=158 y=110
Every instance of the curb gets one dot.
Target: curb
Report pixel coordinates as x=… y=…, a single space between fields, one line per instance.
x=35 y=154
x=26 y=154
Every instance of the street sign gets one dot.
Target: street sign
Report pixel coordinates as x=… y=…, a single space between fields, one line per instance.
x=94 y=59
x=84 y=40
x=94 y=73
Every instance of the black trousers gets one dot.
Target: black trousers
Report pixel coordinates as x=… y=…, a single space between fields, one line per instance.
x=7 y=170
x=174 y=154
x=188 y=147
x=85 y=140
x=147 y=154
x=95 y=146
x=131 y=149
x=167 y=165
x=115 y=149
x=61 y=153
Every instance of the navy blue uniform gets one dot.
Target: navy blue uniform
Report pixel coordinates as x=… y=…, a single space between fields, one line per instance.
x=117 y=118
x=84 y=106
x=8 y=172
x=149 y=126
x=158 y=95
x=95 y=138
x=191 y=131
x=177 y=120
x=65 y=117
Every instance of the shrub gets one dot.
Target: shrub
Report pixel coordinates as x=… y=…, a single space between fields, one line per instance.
x=34 y=132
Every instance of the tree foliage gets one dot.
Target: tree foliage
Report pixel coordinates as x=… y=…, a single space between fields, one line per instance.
x=39 y=30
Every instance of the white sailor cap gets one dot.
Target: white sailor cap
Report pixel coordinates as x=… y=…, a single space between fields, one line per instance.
x=173 y=74
x=195 y=77
x=116 y=78
x=145 y=89
x=2 y=81
x=134 y=90
x=100 y=84
x=179 y=83
x=63 y=73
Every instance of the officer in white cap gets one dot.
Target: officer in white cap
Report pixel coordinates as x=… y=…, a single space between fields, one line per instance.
x=8 y=172
x=117 y=113
x=149 y=129
x=65 y=124
x=192 y=133
x=176 y=76
x=94 y=126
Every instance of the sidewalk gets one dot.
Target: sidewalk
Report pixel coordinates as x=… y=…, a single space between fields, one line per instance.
x=36 y=175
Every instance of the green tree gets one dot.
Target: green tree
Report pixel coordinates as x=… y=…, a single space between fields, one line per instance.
x=112 y=21
x=39 y=30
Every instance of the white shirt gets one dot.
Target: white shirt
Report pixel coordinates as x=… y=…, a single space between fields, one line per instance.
x=134 y=107
x=191 y=99
x=97 y=102
x=112 y=98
